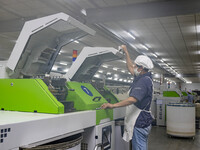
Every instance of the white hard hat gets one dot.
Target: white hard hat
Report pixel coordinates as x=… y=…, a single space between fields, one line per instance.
x=144 y=61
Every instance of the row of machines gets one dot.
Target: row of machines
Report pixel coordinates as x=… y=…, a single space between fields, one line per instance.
x=159 y=104
x=171 y=109
x=37 y=111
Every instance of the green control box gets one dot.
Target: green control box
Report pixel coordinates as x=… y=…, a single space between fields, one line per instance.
x=28 y=95
x=170 y=94
x=86 y=97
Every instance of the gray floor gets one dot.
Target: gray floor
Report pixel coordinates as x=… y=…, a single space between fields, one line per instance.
x=158 y=140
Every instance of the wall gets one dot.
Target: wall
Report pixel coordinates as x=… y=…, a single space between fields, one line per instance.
x=192 y=86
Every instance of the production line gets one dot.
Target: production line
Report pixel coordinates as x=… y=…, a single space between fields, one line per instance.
x=99 y=75
x=35 y=111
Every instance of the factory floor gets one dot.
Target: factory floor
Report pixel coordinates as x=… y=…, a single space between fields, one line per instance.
x=158 y=140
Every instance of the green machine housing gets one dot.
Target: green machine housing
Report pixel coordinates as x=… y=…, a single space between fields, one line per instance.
x=184 y=93
x=86 y=97
x=33 y=95
x=28 y=95
x=170 y=94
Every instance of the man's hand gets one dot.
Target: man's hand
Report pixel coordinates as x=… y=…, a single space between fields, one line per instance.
x=126 y=102
x=129 y=63
x=107 y=105
x=124 y=48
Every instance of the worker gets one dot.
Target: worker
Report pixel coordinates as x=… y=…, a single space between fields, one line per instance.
x=190 y=97
x=138 y=118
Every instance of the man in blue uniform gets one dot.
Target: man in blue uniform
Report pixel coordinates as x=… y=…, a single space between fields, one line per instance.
x=190 y=97
x=138 y=117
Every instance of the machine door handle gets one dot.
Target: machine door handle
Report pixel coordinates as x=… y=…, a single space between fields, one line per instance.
x=96 y=99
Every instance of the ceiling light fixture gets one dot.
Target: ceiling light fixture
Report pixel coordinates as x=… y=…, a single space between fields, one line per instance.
x=105 y=66
x=96 y=75
x=66 y=70
x=131 y=35
x=123 y=61
x=145 y=47
x=63 y=63
x=83 y=11
x=76 y=41
x=54 y=68
x=100 y=71
x=157 y=76
x=154 y=55
x=189 y=82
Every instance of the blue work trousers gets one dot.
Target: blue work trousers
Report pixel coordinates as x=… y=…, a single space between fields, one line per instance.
x=140 y=138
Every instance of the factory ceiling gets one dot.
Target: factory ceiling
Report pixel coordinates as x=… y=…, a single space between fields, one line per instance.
x=165 y=30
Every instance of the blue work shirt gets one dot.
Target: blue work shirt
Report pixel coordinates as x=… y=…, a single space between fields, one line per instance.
x=142 y=90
